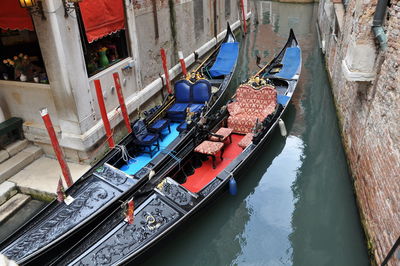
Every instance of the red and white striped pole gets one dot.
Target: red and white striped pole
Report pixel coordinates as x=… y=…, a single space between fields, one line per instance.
x=182 y=61
x=56 y=146
x=103 y=112
x=122 y=101
x=164 y=63
x=243 y=16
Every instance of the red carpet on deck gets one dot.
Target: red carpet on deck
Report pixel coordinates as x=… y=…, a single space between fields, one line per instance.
x=203 y=175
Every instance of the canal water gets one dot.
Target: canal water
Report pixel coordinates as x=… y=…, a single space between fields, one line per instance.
x=295 y=202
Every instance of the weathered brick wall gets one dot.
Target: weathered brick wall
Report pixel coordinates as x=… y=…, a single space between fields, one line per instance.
x=369 y=114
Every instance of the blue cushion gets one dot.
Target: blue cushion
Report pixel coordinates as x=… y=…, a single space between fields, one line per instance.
x=178 y=108
x=177 y=117
x=226 y=59
x=291 y=63
x=282 y=99
x=182 y=91
x=201 y=91
x=196 y=107
x=160 y=123
x=149 y=138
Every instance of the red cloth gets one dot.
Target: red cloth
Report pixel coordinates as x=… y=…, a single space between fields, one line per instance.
x=102 y=17
x=14 y=17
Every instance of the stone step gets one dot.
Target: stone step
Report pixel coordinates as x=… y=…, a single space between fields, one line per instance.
x=19 y=161
x=7 y=190
x=12 y=149
x=16 y=147
x=12 y=205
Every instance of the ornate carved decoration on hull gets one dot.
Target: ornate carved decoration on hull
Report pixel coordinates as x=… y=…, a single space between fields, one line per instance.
x=125 y=239
x=89 y=199
x=210 y=187
x=177 y=193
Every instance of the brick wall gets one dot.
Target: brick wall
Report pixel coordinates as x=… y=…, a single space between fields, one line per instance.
x=369 y=114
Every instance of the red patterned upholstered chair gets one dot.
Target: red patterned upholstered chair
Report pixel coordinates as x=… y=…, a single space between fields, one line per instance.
x=222 y=134
x=210 y=148
x=250 y=105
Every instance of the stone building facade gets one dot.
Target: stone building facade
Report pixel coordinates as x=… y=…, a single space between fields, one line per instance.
x=365 y=79
x=175 y=25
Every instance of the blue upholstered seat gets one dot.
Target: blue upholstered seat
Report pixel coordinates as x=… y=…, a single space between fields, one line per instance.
x=189 y=95
x=196 y=107
x=159 y=125
x=291 y=63
x=182 y=100
x=144 y=139
x=201 y=93
x=178 y=108
x=226 y=59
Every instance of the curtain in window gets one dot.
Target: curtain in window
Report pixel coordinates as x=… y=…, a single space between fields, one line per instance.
x=102 y=17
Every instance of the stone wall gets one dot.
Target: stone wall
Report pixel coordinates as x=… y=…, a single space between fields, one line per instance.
x=366 y=84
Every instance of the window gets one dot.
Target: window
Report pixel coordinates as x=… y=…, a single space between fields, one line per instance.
x=109 y=45
x=21 y=59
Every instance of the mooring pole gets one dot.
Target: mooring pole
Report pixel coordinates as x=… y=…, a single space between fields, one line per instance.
x=182 y=61
x=243 y=16
x=164 y=63
x=103 y=112
x=122 y=101
x=56 y=146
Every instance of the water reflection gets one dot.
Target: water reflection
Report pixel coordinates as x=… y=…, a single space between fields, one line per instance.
x=265 y=237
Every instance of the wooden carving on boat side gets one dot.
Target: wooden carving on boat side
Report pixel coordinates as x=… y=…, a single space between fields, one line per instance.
x=176 y=193
x=210 y=187
x=149 y=221
x=92 y=197
x=115 y=177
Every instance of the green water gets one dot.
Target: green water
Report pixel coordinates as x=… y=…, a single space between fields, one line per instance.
x=295 y=203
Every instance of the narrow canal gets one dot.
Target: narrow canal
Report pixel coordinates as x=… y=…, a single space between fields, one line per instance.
x=295 y=204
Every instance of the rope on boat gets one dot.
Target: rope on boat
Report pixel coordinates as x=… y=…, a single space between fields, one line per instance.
x=171 y=153
x=124 y=153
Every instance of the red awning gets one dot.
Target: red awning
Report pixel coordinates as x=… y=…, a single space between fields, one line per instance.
x=102 y=17
x=14 y=17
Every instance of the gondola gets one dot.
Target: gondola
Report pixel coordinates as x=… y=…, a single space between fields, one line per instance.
x=153 y=145
x=226 y=143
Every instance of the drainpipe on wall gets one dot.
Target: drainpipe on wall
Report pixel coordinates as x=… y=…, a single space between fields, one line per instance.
x=377 y=27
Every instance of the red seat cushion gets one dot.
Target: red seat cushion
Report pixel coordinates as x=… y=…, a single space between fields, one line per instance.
x=246 y=140
x=224 y=132
x=209 y=147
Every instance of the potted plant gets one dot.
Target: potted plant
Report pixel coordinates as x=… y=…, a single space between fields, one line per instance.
x=22 y=66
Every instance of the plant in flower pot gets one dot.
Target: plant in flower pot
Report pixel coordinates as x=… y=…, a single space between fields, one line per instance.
x=22 y=66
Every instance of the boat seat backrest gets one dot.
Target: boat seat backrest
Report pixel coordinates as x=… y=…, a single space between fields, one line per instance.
x=253 y=101
x=183 y=91
x=201 y=91
x=139 y=130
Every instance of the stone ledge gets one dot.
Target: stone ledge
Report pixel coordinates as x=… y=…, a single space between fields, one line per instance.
x=7 y=190
x=16 y=147
x=356 y=76
x=40 y=178
x=19 y=162
x=12 y=205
